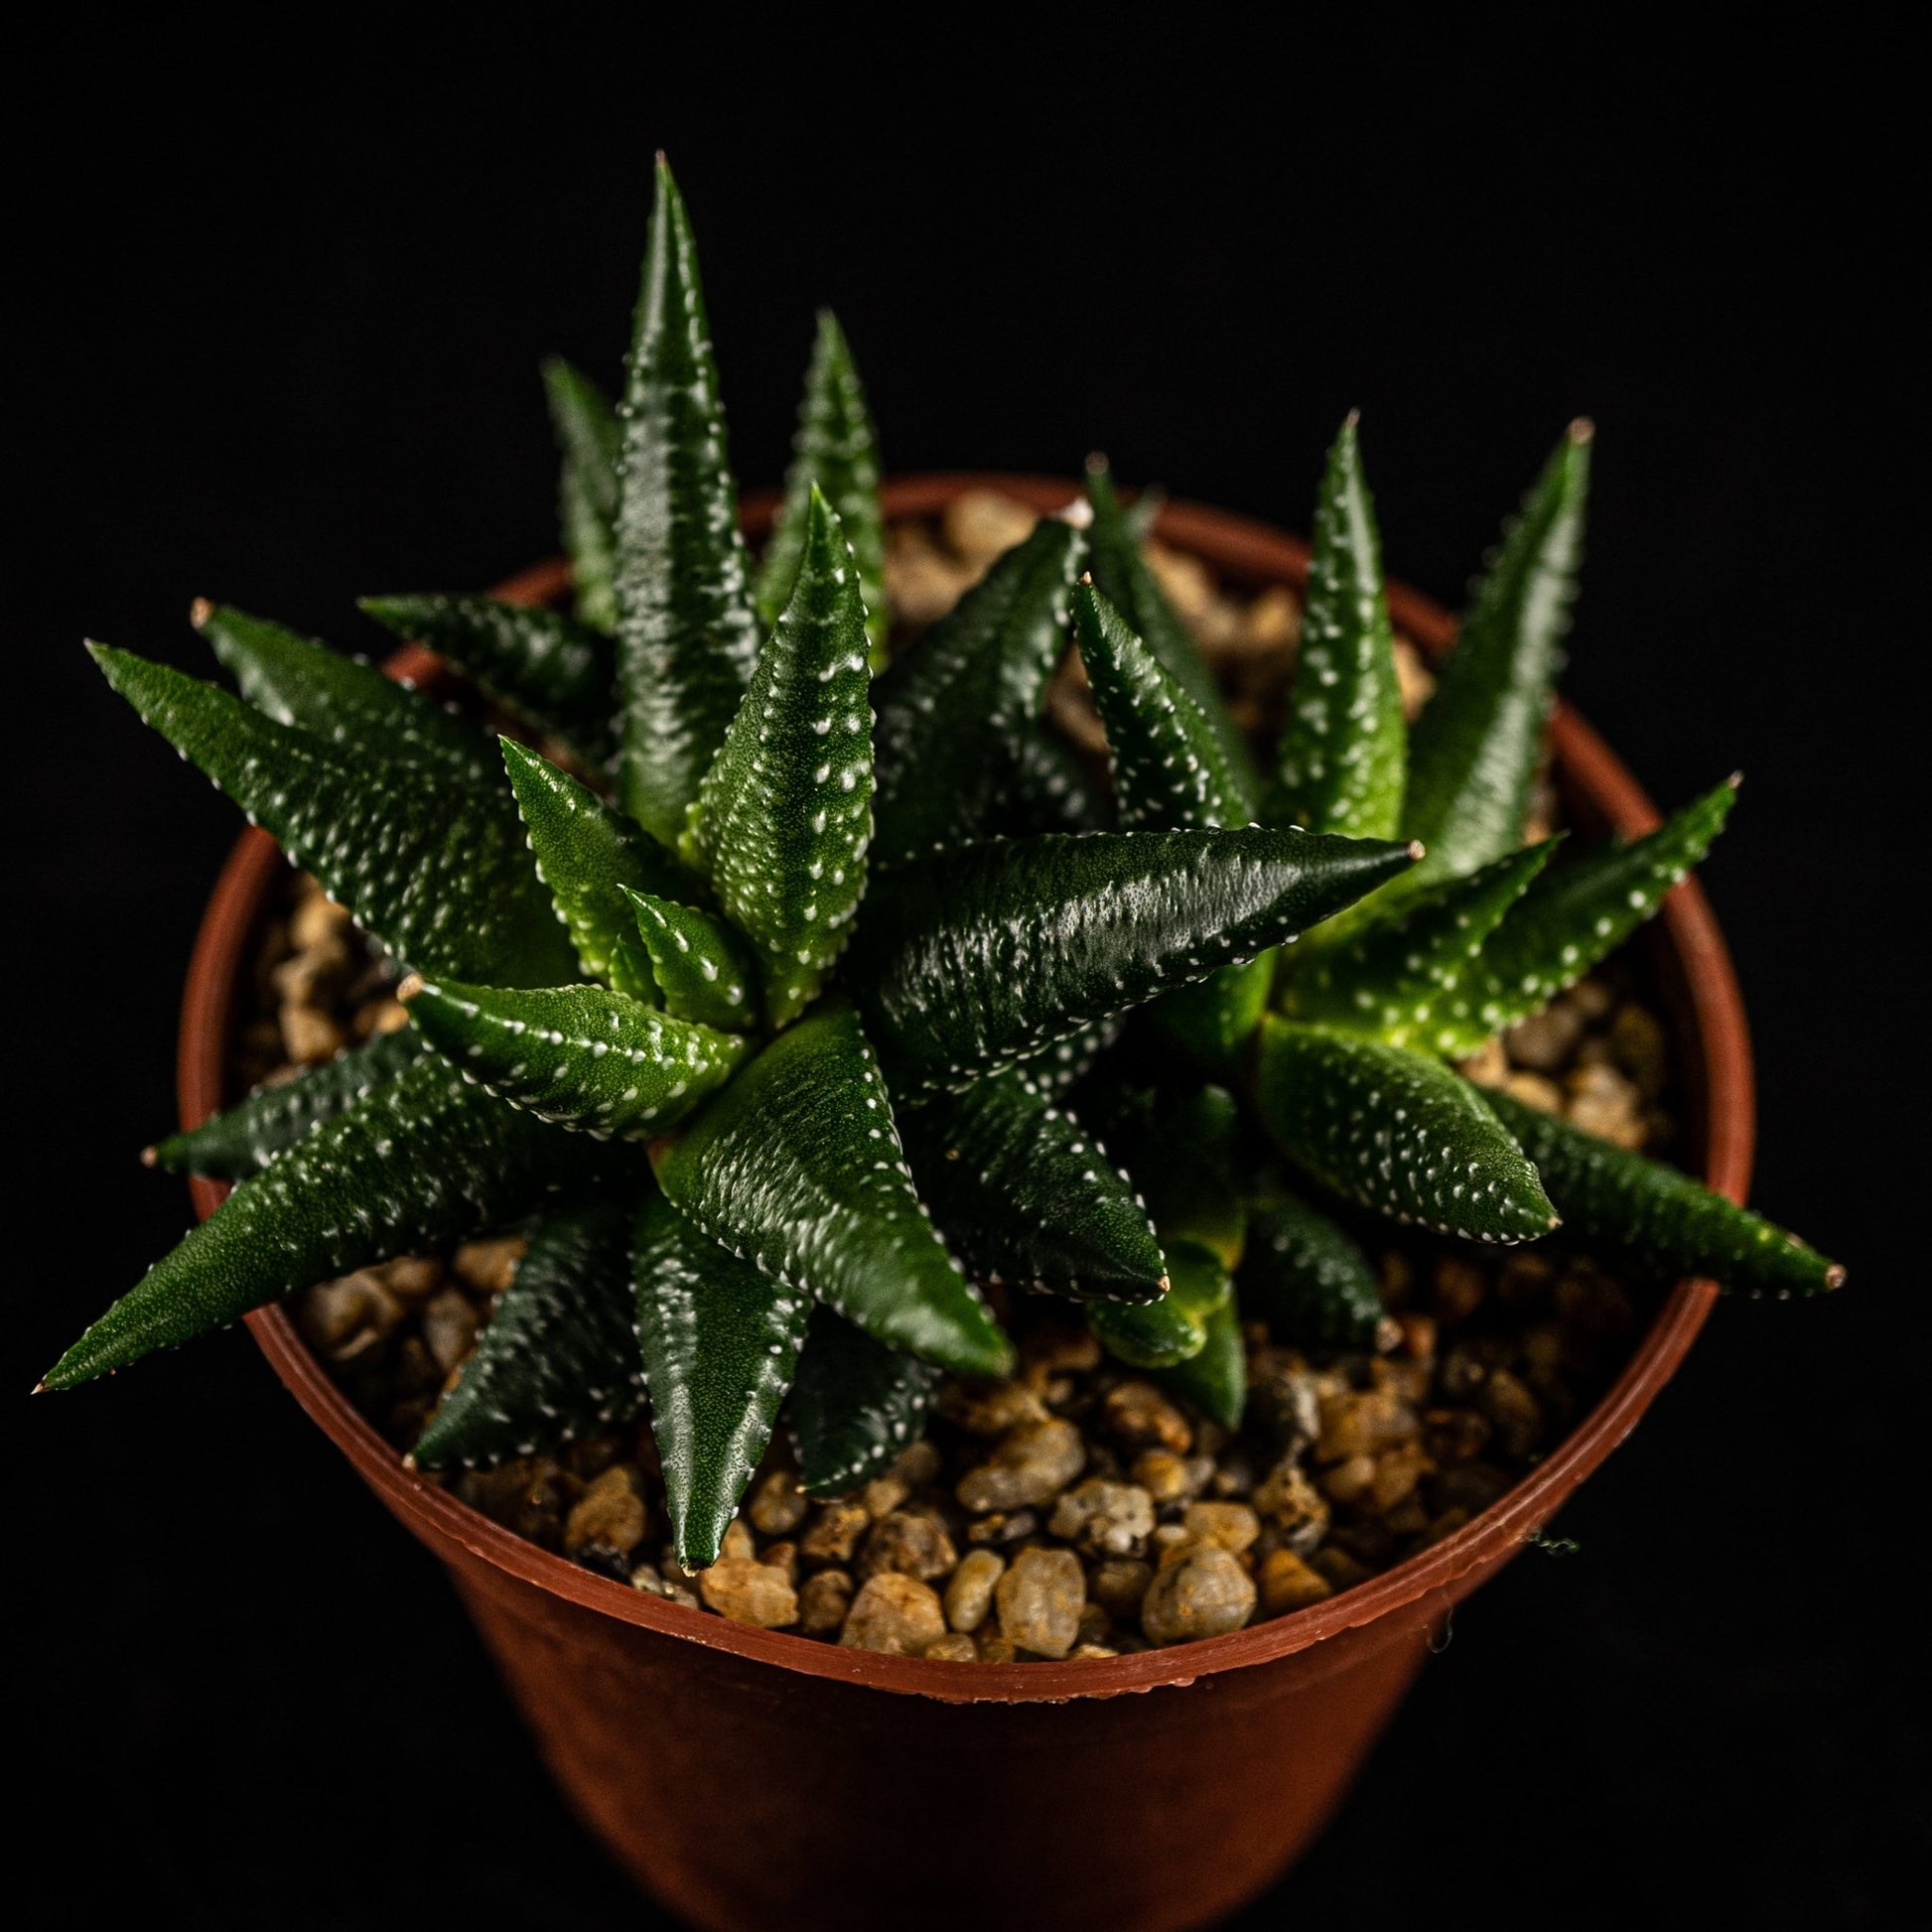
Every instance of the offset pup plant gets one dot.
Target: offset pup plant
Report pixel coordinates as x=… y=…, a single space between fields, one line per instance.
x=807 y=993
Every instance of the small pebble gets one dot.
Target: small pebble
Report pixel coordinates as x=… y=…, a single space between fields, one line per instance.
x=1200 y=1590
x=1234 y=1526
x=823 y=1600
x=969 y=1589
x=778 y=1504
x=450 y=1329
x=1287 y=1584
x=1040 y=1600
x=953 y=1649
x=912 y=1542
x=1139 y=1415
x=835 y=1531
x=748 y=1591
x=1105 y=1519
x=896 y=1616
x=1030 y=1465
x=488 y=1266
x=610 y=1515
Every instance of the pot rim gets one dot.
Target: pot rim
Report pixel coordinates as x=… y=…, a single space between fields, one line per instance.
x=1424 y=1587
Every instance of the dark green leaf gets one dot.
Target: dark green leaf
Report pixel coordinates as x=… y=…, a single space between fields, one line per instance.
x=577 y=1055
x=796 y=1166
x=1214 y=1379
x=698 y=963
x=426 y=1159
x=954 y=708
x=1026 y=1195
x=1397 y=1133
x=857 y=1405
x=1177 y=1327
x=687 y=633
x=558 y=673
x=1343 y=757
x=720 y=1341
x=1042 y=787
x=248 y=1135
x=1307 y=1277
x=437 y=872
x=784 y=815
x=1475 y=751
x=589 y=437
x=1184 y=1156
x=558 y=1359
x=837 y=449
x=982 y=956
x=1620 y=1201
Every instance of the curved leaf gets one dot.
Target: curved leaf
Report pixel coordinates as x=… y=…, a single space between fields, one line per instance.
x=855 y=1406
x=1042 y=787
x=1214 y=1379
x=588 y=438
x=1309 y=1277
x=697 y=962
x=1177 y=1327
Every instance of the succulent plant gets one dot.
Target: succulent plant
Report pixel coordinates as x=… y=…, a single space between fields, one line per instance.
x=803 y=995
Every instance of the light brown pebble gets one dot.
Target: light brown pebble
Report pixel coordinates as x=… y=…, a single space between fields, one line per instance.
x=450 y=1328
x=1456 y=1289
x=835 y=1531
x=778 y=1504
x=883 y=1495
x=1364 y=1424
x=1004 y=1526
x=912 y=1542
x=1118 y=1585
x=411 y=1277
x=1514 y=1411
x=1040 y=1600
x=1396 y=1475
x=1188 y=583
x=953 y=1649
x=1105 y=1519
x=995 y=1650
x=488 y=1266
x=980 y=524
x=1062 y=1351
x=1350 y=1481
x=375 y=1017
x=1030 y=1465
x=1602 y=1102
x=1234 y=1526
x=922 y=582
x=1141 y=1417
x=969 y=1589
x=1546 y=1041
x=748 y=1591
x=990 y=1409
x=736 y=1544
x=309 y=1036
x=1274 y=619
x=1414 y=679
x=1535 y=1090
x=610 y=1515
x=823 y=1600
x=346 y=1318
x=1339 y=1567
x=317 y=919
x=1096 y=1626
x=1487 y=1068
x=916 y=1464
x=646 y=1577
x=1201 y=1592
x=1289 y=1584
x=1082 y=1652
x=784 y=1558
x=896 y=1616
x=1162 y=1474
x=1641 y=1048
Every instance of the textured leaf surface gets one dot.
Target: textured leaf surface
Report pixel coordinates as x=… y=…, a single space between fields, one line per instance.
x=687 y=633
x=954 y=708
x=577 y=1055
x=558 y=1359
x=1212 y=1021
x=1186 y=1155
x=835 y=450
x=796 y=1166
x=1307 y=1277
x=250 y=1134
x=1214 y=1379
x=1343 y=758
x=1413 y=976
x=589 y=440
x=425 y=1159
x=1124 y=574
x=436 y=872
x=1168 y=768
x=1397 y=1133
x=698 y=964
x=980 y=957
x=297 y=681
x=1475 y=751
x=1177 y=1327
x=1581 y=911
x=1026 y=1195
x=587 y=856
x=549 y=668
x=784 y=816
x=720 y=1343
x=855 y=1406
x=1056 y=1068
x=1043 y=787
x=1625 y=1203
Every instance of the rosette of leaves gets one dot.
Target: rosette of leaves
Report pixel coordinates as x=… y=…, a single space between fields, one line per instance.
x=779 y=1000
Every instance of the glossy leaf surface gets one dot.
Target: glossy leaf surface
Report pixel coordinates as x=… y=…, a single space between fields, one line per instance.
x=589 y=440
x=1307 y=1277
x=855 y=1406
x=1177 y=1327
x=1214 y=1379
x=698 y=964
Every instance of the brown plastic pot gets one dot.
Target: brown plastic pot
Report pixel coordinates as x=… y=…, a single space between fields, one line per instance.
x=754 y=1779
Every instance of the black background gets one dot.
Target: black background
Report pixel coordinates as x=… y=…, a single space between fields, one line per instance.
x=277 y=343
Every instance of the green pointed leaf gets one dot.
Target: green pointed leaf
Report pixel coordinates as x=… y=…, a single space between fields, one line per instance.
x=1184 y=1154
x=855 y=1406
x=1213 y=1022
x=1042 y=787
x=551 y=669
x=1214 y=1379
x=982 y=956
x=426 y=1159
x=784 y=815
x=720 y=1343
x=1168 y=768
x=796 y=1166
x=1177 y=1327
x=435 y=873
x=250 y=1134
x=836 y=448
x=687 y=632
x=954 y=709
x=1397 y=1133
x=557 y=1359
x=587 y=856
x=577 y=1055
x=1475 y=751
x=297 y=681
x=1409 y=976
x=1127 y=578
x=1058 y=1068
x=1024 y=1194
x=1309 y=1277
x=1577 y=914
x=1660 y=1217
x=698 y=963
x=589 y=437
x=1343 y=758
